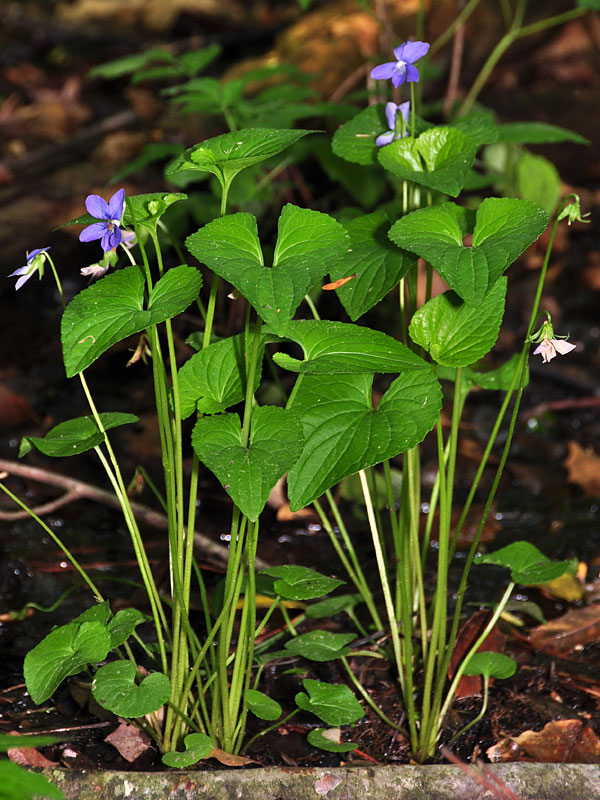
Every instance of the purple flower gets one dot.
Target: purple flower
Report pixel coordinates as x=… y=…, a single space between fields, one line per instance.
x=550 y=347
x=391 y=113
x=402 y=69
x=108 y=230
x=35 y=263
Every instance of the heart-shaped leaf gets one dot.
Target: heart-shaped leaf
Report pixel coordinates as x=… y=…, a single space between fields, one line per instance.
x=320 y=645
x=490 y=665
x=249 y=473
x=262 y=706
x=226 y=155
x=149 y=208
x=331 y=347
x=504 y=228
x=197 y=747
x=308 y=244
x=123 y=624
x=440 y=158
x=63 y=652
x=343 y=433
x=455 y=333
x=480 y=126
x=355 y=139
x=214 y=379
x=113 y=309
x=328 y=739
x=300 y=583
x=333 y=605
x=114 y=688
x=75 y=435
x=527 y=565
x=377 y=264
x=538 y=180
x=333 y=703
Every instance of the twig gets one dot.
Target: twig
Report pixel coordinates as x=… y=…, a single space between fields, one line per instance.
x=562 y=405
x=455 y=66
x=348 y=83
x=78 y=490
x=483 y=776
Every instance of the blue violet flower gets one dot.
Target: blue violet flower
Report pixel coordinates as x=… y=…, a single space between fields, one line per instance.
x=110 y=213
x=402 y=69
x=35 y=263
x=391 y=113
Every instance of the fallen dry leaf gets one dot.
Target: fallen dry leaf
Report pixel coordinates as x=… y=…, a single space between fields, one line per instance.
x=562 y=741
x=130 y=741
x=28 y=756
x=229 y=759
x=583 y=467
x=577 y=627
x=470 y=685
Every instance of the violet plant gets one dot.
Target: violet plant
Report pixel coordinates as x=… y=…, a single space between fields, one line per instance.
x=194 y=689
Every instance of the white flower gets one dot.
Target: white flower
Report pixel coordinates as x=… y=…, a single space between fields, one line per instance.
x=548 y=348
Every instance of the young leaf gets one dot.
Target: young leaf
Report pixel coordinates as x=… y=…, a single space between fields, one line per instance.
x=197 y=747
x=113 y=309
x=457 y=334
x=20 y=784
x=538 y=180
x=262 y=706
x=527 y=565
x=343 y=434
x=333 y=605
x=355 y=139
x=226 y=155
x=214 y=379
x=377 y=263
x=63 y=652
x=480 y=126
x=300 y=583
x=115 y=689
x=537 y=133
x=500 y=378
x=307 y=245
x=320 y=645
x=440 y=158
x=123 y=624
x=75 y=435
x=319 y=737
x=249 y=473
x=504 y=228
x=333 y=703
x=149 y=208
x=490 y=665
x=332 y=347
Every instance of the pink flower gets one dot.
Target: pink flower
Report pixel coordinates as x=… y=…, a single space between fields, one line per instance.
x=548 y=348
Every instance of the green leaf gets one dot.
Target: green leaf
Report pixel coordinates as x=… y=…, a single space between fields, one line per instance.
x=114 y=688
x=214 y=379
x=262 y=706
x=343 y=433
x=333 y=605
x=249 y=473
x=197 y=747
x=19 y=784
x=504 y=228
x=490 y=665
x=332 y=347
x=366 y=184
x=100 y=612
x=527 y=565
x=538 y=180
x=333 y=703
x=63 y=652
x=538 y=132
x=226 y=155
x=593 y=4
x=440 y=158
x=149 y=154
x=355 y=139
x=128 y=64
x=377 y=263
x=123 y=624
x=75 y=435
x=149 y=208
x=480 y=126
x=113 y=309
x=26 y=740
x=457 y=334
x=300 y=583
x=500 y=378
x=318 y=738
x=320 y=645
x=308 y=244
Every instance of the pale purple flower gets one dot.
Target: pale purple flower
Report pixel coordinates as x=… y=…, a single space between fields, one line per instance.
x=95 y=271
x=548 y=348
x=110 y=213
x=402 y=69
x=35 y=263
x=391 y=113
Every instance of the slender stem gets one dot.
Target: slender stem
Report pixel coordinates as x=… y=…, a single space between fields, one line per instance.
x=450 y=31
x=367 y=697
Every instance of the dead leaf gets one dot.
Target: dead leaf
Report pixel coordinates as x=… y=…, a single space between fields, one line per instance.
x=567 y=587
x=470 y=685
x=583 y=467
x=330 y=287
x=130 y=741
x=28 y=756
x=577 y=627
x=229 y=759
x=562 y=741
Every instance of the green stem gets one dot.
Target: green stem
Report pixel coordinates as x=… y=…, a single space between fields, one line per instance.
x=367 y=697
x=451 y=30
